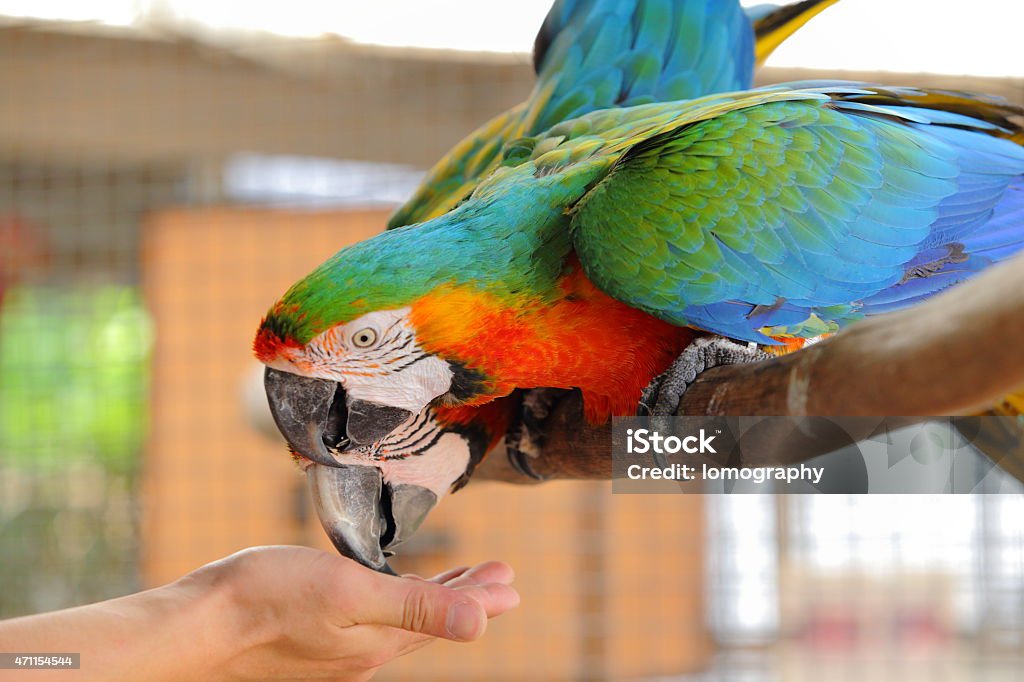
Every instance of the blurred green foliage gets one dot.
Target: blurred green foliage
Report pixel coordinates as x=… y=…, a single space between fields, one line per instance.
x=74 y=367
x=73 y=376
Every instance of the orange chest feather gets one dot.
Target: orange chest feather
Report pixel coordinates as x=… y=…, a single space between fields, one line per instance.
x=580 y=338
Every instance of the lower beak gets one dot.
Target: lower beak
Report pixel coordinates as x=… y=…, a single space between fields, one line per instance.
x=347 y=500
x=364 y=517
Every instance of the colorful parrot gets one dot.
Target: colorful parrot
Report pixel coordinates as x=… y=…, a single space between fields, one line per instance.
x=589 y=55
x=590 y=255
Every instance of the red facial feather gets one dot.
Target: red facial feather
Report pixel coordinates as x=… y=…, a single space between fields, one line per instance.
x=268 y=346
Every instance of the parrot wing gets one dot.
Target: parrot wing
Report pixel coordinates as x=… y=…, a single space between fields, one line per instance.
x=789 y=211
x=458 y=171
x=598 y=54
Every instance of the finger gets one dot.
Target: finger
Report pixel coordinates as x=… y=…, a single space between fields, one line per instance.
x=450 y=574
x=440 y=578
x=380 y=642
x=416 y=645
x=487 y=572
x=417 y=606
x=399 y=642
x=496 y=598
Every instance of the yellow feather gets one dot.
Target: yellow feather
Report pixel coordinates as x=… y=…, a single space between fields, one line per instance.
x=772 y=30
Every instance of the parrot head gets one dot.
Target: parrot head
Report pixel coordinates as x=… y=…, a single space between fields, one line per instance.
x=359 y=397
x=377 y=373
x=370 y=354
x=368 y=341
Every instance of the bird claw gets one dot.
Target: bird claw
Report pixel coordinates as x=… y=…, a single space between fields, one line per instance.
x=662 y=396
x=525 y=439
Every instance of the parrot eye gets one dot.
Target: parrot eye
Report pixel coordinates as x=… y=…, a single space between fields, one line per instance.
x=364 y=338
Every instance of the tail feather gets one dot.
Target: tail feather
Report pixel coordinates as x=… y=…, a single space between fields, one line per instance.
x=774 y=24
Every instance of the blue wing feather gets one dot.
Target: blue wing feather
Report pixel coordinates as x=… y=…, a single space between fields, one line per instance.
x=895 y=204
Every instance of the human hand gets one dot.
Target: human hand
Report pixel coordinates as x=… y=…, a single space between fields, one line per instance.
x=300 y=613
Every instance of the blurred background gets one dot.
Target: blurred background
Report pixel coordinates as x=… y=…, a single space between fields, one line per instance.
x=169 y=167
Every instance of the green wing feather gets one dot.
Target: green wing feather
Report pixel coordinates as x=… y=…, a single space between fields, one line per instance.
x=786 y=210
x=458 y=172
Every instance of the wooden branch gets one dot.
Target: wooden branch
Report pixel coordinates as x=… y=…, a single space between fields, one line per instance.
x=958 y=353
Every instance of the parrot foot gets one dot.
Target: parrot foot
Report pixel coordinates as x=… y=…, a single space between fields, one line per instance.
x=525 y=439
x=663 y=394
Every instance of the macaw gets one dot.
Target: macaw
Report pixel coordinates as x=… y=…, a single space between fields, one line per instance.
x=591 y=254
x=588 y=55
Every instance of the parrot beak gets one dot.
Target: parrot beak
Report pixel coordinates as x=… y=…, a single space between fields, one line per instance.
x=302 y=411
x=348 y=502
x=362 y=515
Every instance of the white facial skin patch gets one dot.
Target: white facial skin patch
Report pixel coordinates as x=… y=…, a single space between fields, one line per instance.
x=377 y=358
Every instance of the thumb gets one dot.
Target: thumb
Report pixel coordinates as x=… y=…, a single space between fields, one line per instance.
x=424 y=607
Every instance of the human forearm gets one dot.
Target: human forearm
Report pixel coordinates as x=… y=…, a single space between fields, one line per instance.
x=154 y=635
x=266 y=613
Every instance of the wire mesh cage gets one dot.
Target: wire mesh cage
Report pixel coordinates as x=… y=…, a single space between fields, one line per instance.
x=158 y=191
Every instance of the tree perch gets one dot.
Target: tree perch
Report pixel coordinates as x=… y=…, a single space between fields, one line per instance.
x=955 y=354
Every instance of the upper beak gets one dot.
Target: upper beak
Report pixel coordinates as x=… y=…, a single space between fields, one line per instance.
x=363 y=516
x=314 y=414
x=302 y=411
